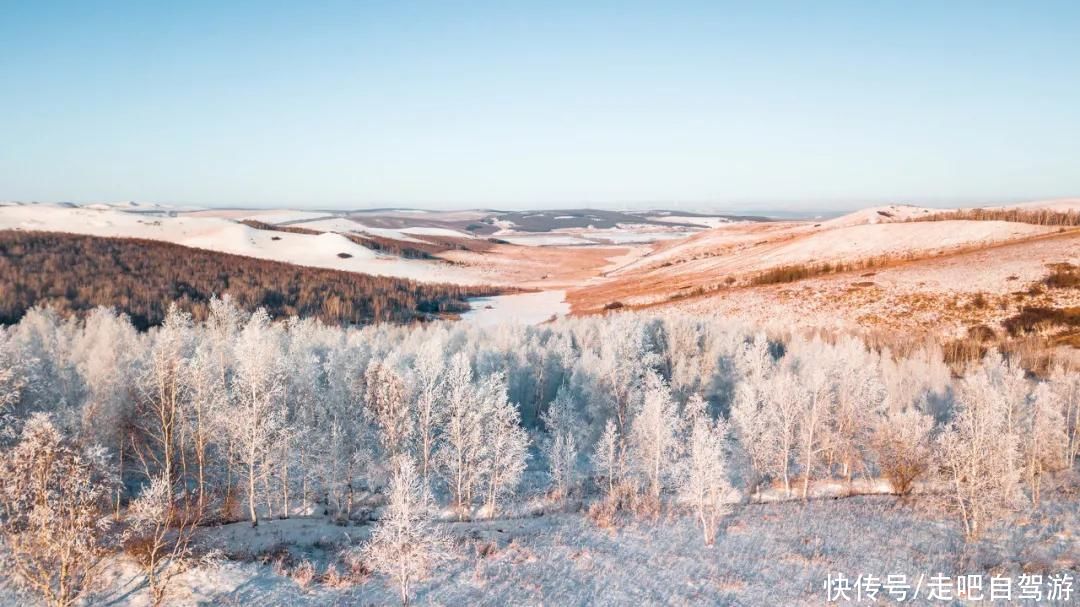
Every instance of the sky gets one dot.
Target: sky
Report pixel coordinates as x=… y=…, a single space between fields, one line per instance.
x=526 y=104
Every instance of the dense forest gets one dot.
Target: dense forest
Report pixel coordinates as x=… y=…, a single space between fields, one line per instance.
x=635 y=417
x=75 y=273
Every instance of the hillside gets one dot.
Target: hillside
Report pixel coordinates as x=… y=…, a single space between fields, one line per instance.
x=878 y=269
x=205 y=230
x=75 y=273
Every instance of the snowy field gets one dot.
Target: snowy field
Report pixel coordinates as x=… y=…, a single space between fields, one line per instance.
x=520 y=308
x=765 y=554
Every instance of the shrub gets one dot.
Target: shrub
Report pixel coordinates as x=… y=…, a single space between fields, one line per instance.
x=1063 y=276
x=303 y=574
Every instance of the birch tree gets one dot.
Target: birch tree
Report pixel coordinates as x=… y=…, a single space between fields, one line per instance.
x=461 y=452
x=1066 y=386
x=815 y=379
x=704 y=484
x=165 y=394
x=405 y=545
x=978 y=454
x=653 y=445
x=255 y=413
x=428 y=381
x=560 y=445
x=387 y=401
x=505 y=442
x=785 y=404
x=1044 y=441
x=753 y=413
x=609 y=460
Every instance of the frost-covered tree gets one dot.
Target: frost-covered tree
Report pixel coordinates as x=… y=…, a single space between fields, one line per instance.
x=920 y=376
x=255 y=413
x=14 y=378
x=162 y=523
x=653 y=444
x=1011 y=385
x=344 y=454
x=164 y=395
x=785 y=403
x=1043 y=442
x=201 y=420
x=46 y=343
x=304 y=359
x=752 y=414
x=815 y=379
x=53 y=520
x=386 y=400
x=428 y=387
x=405 y=545
x=900 y=446
x=1065 y=383
x=506 y=444
x=704 y=484
x=612 y=374
x=978 y=453
x=108 y=354
x=560 y=444
x=609 y=460
x=690 y=354
x=859 y=397
x=460 y=455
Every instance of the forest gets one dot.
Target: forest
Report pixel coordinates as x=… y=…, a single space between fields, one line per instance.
x=75 y=273
x=154 y=435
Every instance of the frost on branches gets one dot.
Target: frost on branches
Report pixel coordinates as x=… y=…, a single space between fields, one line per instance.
x=54 y=522
x=560 y=445
x=240 y=417
x=704 y=484
x=404 y=545
x=979 y=452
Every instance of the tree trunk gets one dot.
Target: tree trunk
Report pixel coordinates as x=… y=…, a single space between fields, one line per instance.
x=285 y=484
x=251 y=494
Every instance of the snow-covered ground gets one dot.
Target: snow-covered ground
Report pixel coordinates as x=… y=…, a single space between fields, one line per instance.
x=429 y=231
x=546 y=240
x=707 y=222
x=521 y=308
x=753 y=247
x=285 y=216
x=568 y=237
x=883 y=214
x=620 y=236
x=765 y=554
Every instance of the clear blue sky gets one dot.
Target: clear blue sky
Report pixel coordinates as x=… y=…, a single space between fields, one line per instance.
x=349 y=104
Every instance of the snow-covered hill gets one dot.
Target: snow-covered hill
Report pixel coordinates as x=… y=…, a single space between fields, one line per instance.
x=326 y=250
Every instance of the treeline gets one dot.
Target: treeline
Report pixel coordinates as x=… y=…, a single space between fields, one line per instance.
x=801 y=271
x=1042 y=217
x=141 y=278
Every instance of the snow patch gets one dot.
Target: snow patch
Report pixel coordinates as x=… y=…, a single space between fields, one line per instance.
x=520 y=308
